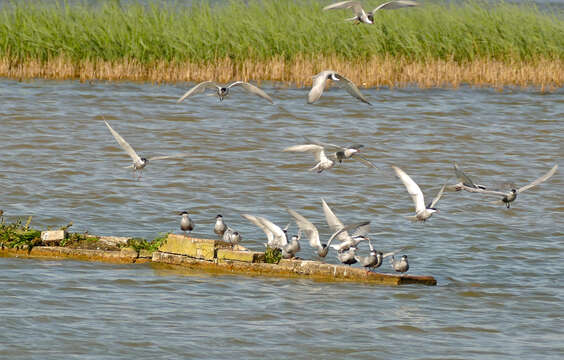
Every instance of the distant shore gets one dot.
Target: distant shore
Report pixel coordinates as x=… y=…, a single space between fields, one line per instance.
x=288 y=42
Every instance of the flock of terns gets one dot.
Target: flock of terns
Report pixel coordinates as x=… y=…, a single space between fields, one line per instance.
x=348 y=236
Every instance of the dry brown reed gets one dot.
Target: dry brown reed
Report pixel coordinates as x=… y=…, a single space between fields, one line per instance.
x=545 y=74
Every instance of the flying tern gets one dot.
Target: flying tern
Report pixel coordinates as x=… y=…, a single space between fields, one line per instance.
x=138 y=162
x=343 y=153
x=323 y=162
x=509 y=197
x=368 y=18
x=422 y=212
x=223 y=91
x=277 y=237
x=464 y=181
x=320 y=80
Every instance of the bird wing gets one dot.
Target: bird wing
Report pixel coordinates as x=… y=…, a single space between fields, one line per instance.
x=168 y=156
x=316 y=149
x=365 y=161
x=279 y=234
x=545 y=177
x=412 y=188
x=438 y=197
x=482 y=191
x=392 y=253
x=343 y=230
x=318 y=86
x=334 y=223
x=325 y=145
x=252 y=89
x=351 y=88
x=307 y=228
x=397 y=4
x=124 y=144
x=362 y=229
x=198 y=89
x=460 y=175
x=354 y=5
x=259 y=224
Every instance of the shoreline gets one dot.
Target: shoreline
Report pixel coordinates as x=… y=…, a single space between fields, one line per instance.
x=544 y=74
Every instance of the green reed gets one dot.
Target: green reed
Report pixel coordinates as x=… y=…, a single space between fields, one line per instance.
x=261 y=30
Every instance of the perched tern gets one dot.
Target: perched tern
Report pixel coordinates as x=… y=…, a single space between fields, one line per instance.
x=231 y=236
x=277 y=237
x=347 y=257
x=138 y=162
x=289 y=251
x=220 y=227
x=422 y=212
x=375 y=258
x=320 y=80
x=509 y=197
x=323 y=162
x=186 y=223
x=400 y=266
x=368 y=18
x=343 y=153
x=223 y=91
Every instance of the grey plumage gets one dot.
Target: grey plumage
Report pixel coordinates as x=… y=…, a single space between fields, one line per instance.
x=400 y=266
x=277 y=237
x=375 y=258
x=368 y=18
x=186 y=223
x=224 y=91
x=322 y=161
x=289 y=250
x=343 y=153
x=320 y=80
x=347 y=257
x=509 y=197
x=220 y=227
x=422 y=211
x=138 y=162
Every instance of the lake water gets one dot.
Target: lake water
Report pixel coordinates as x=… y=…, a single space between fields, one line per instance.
x=499 y=270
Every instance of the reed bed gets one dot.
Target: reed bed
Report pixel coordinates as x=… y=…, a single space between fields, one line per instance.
x=434 y=45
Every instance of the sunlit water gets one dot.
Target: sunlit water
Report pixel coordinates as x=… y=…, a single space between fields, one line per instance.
x=499 y=270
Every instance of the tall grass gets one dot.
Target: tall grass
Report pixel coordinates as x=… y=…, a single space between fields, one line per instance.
x=260 y=31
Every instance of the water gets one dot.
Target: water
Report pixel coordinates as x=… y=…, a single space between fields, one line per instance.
x=498 y=269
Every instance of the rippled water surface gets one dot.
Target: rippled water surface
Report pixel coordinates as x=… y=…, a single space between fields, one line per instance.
x=499 y=270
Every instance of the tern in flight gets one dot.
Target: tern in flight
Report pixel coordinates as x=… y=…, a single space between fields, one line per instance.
x=320 y=80
x=464 y=181
x=343 y=153
x=422 y=212
x=310 y=230
x=368 y=18
x=277 y=237
x=323 y=162
x=224 y=91
x=341 y=232
x=509 y=197
x=138 y=162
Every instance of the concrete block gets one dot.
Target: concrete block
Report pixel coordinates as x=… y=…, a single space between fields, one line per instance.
x=144 y=253
x=114 y=240
x=128 y=253
x=245 y=256
x=193 y=247
x=51 y=236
